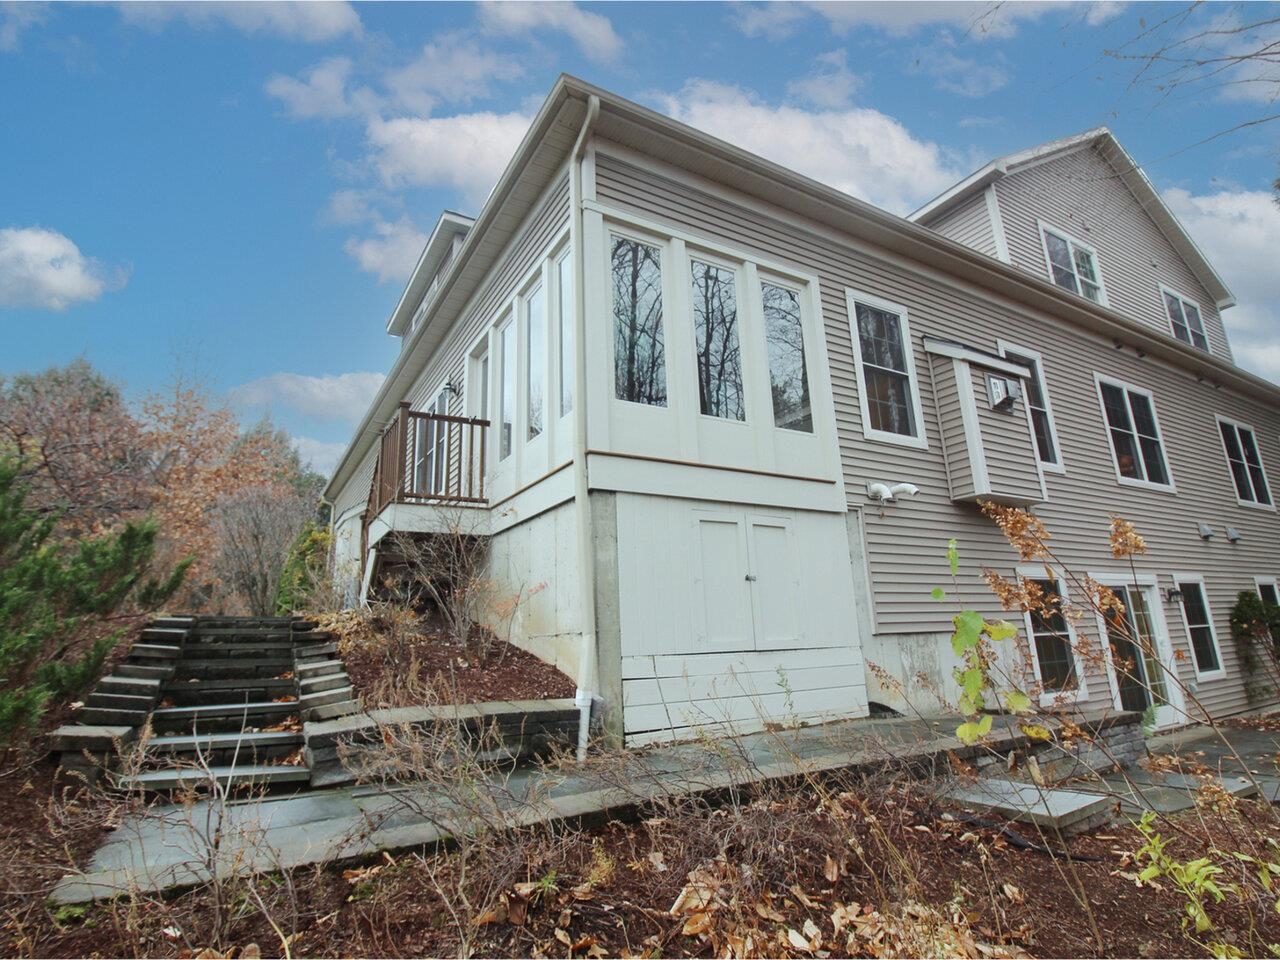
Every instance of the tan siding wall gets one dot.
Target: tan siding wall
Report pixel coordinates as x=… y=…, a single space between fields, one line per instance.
x=955 y=446
x=969 y=224
x=1012 y=462
x=906 y=541
x=1081 y=194
x=356 y=492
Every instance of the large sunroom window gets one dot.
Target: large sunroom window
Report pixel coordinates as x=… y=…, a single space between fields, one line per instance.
x=640 y=366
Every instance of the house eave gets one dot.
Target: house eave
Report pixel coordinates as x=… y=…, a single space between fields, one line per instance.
x=450 y=225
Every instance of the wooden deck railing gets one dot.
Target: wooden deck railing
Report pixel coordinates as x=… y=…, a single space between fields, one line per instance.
x=429 y=458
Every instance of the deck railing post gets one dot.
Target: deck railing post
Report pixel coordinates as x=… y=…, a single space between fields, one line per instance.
x=403 y=472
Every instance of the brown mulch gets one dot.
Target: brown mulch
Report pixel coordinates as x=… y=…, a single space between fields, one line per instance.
x=789 y=866
x=454 y=673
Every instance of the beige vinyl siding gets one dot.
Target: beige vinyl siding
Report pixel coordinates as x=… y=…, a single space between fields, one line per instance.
x=1013 y=469
x=955 y=446
x=970 y=224
x=356 y=492
x=1080 y=193
x=906 y=541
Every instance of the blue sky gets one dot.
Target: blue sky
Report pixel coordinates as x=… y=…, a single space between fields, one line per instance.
x=239 y=190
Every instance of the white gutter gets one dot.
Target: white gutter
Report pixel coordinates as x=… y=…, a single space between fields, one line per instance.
x=582 y=504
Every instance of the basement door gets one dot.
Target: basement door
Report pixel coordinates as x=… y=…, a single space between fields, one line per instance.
x=746 y=574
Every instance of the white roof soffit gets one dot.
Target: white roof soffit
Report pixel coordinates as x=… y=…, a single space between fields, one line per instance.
x=1130 y=173
x=437 y=246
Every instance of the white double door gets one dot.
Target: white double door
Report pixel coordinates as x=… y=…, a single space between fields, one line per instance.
x=747 y=579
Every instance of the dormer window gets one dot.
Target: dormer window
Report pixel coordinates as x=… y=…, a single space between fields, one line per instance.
x=1184 y=317
x=1073 y=264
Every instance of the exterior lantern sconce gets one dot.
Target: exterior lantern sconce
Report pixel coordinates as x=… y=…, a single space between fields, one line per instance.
x=451 y=388
x=1173 y=595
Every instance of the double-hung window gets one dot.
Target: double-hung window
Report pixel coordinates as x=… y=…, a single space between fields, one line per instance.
x=1269 y=593
x=1241 y=447
x=506 y=387
x=1184 y=317
x=1050 y=636
x=1072 y=264
x=1199 y=623
x=1136 y=444
x=1038 y=400
x=888 y=394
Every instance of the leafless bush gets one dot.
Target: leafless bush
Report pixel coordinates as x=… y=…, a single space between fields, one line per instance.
x=256 y=527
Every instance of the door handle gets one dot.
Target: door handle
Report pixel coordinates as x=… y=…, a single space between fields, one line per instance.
x=750 y=578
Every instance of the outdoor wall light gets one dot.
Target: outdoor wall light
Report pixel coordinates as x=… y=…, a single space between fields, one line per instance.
x=451 y=388
x=1173 y=595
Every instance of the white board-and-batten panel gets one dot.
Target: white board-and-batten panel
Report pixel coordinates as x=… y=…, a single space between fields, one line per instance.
x=702 y=644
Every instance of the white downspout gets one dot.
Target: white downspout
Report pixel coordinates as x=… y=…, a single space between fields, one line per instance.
x=582 y=504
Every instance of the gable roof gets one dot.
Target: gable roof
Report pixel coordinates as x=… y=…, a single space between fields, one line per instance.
x=1105 y=142
x=434 y=254
x=547 y=146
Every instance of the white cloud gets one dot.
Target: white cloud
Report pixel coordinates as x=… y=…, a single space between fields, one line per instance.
x=860 y=151
x=350 y=206
x=342 y=397
x=322 y=92
x=43 y=269
x=1239 y=231
x=592 y=32
x=831 y=84
x=314 y=21
x=467 y=151
x=978 y=19
x=775 y=20
x=965 y=76
x=321 y=455
x=451 y=68
x=15 y=18
x=393 y=250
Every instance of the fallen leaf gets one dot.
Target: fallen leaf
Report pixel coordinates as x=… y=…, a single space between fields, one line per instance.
x=831 y=870
x=803 y=897
x=658 y=861
x=797 y=941
x=1013 y=893
x=697 y=924
x=495 y=914
x=767 y=912
x=563 y=938
x=251 y=951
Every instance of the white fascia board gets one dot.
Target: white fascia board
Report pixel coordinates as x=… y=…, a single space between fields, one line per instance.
x=962 y=351
x=449 y=225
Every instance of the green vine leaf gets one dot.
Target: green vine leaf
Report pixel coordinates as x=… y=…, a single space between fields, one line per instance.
x=1015 y=701
x=968 y=624
x=972 y=731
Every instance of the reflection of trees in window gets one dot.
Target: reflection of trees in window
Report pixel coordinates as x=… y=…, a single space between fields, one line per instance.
x=715 y=324
x=640 y=371
x=884 y=366
x=507 y=385
x=788 y=375
x=537 y=357
x=1052 y=640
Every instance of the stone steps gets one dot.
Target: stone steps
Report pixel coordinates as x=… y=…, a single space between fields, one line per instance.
x=194 y=692
x=224 y=748
x=212 y=718
x=250 y=775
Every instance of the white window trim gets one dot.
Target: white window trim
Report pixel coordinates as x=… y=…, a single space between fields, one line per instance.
x=1004 y=347
x=506 y=318
x=920 y=442
x=1201 y=675
x=1050 y=697
x=1259 y=581
x=536 y=281
x=1219 y=420
x=1072 y=241
x=1170 y=487
x=1199 y=309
